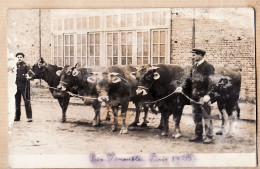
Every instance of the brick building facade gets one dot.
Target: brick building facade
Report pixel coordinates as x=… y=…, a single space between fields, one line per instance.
x=136 y=37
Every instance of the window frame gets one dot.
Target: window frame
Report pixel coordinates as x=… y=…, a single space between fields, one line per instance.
x=167 y=47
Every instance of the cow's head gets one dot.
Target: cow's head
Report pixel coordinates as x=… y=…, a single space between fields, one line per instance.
x=219 y=85
x=104 y=80
x=38 y=70
x=67 y=77
x=146 y=76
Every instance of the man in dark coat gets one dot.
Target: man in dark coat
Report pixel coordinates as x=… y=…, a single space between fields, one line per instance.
x=23 y=89
x=197 y=87
x=200 y=73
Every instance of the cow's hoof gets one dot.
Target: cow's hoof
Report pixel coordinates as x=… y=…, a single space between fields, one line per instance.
x=123 y=131
x=164 y=133
x=160 y=127
x=108 y=118
x=144 y=124
x=63 y=120
x=95 y=124
x=113 y=128
x=178 y=135
x=134 y=124
x=228 y=135
x=220 y=132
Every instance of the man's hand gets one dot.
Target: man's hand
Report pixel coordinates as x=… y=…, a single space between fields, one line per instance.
x=206 y=99
x=178 y=89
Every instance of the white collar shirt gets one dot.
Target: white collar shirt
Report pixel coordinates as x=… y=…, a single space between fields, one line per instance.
x=200 y=62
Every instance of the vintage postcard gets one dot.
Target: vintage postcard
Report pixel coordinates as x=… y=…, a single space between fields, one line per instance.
x=131 y=88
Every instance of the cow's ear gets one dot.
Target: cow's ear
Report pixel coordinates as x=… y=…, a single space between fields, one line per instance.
x=58 y=72
x=154 y=67
x=75 y=72
x=114 y=74
x=92 y=79
x=156 y=76
x=133 y=75
x=115 y=79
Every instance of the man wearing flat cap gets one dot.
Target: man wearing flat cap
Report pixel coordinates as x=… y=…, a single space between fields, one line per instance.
x=197 y=87
x=23 y=89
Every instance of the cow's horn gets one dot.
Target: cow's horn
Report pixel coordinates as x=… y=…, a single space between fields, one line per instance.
x=154 y=68
x=114 y=74
x=75 y=66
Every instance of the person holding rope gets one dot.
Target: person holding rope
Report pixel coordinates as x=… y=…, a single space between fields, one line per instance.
x=198 y=83
x=23 y=89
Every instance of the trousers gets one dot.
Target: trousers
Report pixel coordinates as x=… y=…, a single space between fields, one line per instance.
x=26 y=97
x=200 y=112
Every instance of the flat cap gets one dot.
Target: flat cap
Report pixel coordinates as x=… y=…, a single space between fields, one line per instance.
x=20 y=53
x=198 y=51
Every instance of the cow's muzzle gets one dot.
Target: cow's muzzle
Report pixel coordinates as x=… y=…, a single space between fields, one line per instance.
x=61 y=87
x=103 y=98
x=141 y=91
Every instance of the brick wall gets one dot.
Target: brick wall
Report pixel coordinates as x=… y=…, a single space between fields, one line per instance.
x=46 y=35
x=228 y=40
x=23 y=33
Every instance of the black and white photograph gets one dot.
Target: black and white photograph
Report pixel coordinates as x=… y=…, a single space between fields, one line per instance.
x=131 y=88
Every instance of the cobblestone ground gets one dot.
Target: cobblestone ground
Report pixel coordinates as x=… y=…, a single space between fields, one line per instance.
x=47 y=135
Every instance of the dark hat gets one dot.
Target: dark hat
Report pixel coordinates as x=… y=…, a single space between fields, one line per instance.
x=20 y=53
x=198 y=51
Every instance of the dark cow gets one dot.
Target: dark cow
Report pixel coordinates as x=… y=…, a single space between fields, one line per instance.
x=117 y=88
x=224 y=89
x=47 y=72
x=160 y=81
x=75 y=80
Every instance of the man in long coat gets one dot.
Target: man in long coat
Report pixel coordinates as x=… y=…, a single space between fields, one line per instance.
x=23 y=89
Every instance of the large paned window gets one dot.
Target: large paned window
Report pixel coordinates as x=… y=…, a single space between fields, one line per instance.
x=117 y=37
x=142 y=47
x=69 y=49
x=126 y=20
x=159 y=18
x=82 y=50
x=68 y=24
x=159 y=46
x=112 y=48
x=57 y=50
x=126 y=48
x=94 y=22
x=112 y=21
x=94 y=49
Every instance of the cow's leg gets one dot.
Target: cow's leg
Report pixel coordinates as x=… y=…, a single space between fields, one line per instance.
x=123 y=112
x=96 y=105
x=146 y=108
x=108 y=117
x=232 y=116
x=137 y=115
x=115 y=111
x=206 y=110
x=166 y=123
x=225 y=121
x=237 y=110
x=64 y=102
x=220 y=131
x=177 y=119
x=220 y=107
x=153 y=109
x=160 y=127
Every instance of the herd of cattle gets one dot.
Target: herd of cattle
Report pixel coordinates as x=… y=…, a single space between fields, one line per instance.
x=146 y=86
